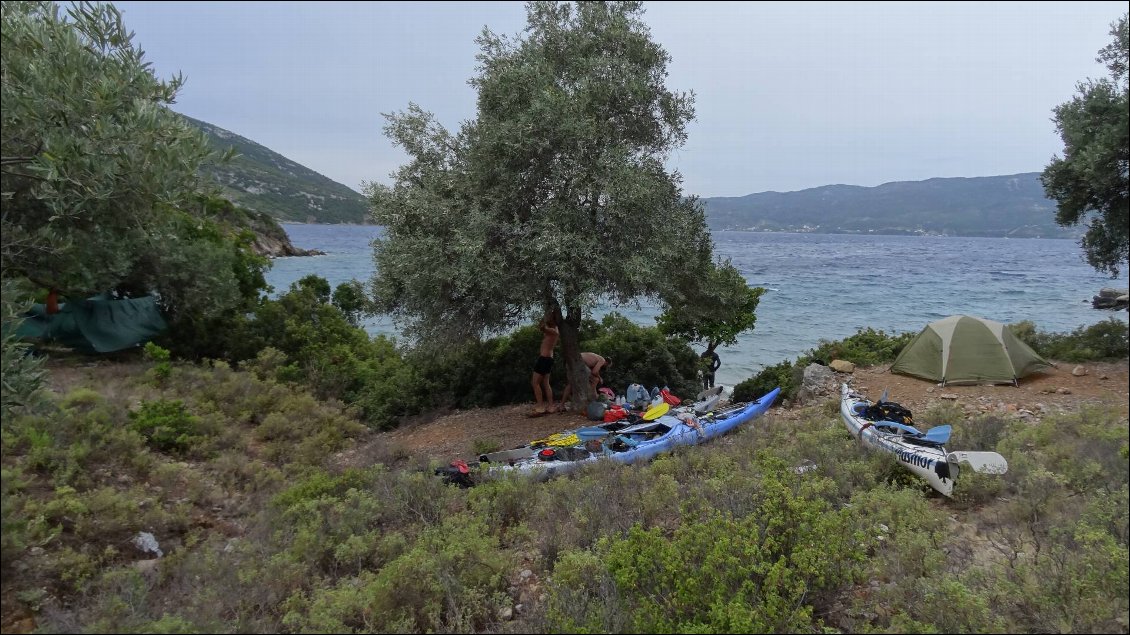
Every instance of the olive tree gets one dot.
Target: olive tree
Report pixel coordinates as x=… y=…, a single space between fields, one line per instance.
x=712 y=309
x=554 y=198
x=100 y=180
x=1092 y=180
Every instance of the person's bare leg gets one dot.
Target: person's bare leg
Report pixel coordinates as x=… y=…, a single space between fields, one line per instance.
x=536 y=382
x=547 y=390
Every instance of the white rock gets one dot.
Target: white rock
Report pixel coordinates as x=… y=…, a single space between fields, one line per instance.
x=147 y=543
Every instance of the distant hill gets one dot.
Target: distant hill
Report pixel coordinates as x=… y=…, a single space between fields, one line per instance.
x=1012 y=205
x=266 y=181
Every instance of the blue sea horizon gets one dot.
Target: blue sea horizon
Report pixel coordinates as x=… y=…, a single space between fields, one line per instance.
x=821 y=286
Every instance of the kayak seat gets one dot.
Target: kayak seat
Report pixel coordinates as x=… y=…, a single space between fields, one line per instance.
x=897 y=428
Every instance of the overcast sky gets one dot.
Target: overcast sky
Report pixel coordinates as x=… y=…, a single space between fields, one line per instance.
x=788 y=95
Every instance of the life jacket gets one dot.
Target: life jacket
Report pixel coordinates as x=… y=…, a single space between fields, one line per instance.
x=615 y=413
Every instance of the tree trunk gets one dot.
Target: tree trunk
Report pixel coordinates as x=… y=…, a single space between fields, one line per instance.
x=575 y=370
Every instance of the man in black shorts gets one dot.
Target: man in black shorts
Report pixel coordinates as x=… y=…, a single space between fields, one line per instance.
x=543 y=392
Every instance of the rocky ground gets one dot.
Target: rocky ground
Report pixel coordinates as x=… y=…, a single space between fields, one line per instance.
x=464 y=434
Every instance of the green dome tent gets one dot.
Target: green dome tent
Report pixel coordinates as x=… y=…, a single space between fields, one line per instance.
x=968 y=350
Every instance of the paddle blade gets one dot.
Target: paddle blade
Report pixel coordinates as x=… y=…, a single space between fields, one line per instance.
x=938 y=434
x=983 y=462
x=656 y=411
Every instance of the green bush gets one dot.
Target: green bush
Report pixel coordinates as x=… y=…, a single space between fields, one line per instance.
x=167 y=425
x=23 y=374
x=787 y=375
x=867 y=347
x=1106 y=340
x=642 y=355
x=162 y=368
x=715 y=574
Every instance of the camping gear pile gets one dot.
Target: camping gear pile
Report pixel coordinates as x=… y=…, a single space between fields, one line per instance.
x=889 y=427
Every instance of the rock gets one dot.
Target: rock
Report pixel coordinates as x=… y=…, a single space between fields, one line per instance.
x=1063 y=391
x=35 y=551
x=949 y=395
x=842 y=366
x=1079 y=371
x=817 y=381
x=506 y=613
x=1109 y=298
x=147 y=543
x=930 y=389
x=518 y=608
x=526 y=573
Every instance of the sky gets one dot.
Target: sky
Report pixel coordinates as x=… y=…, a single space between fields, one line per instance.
x=788 y=95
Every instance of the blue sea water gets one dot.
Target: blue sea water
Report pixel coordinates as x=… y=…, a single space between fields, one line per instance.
x=824 y=286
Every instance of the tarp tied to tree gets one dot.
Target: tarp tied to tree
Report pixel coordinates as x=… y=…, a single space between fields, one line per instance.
x=554 y=198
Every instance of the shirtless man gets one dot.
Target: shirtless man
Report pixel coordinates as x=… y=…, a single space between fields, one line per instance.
x=596 y=365
x=543 y=392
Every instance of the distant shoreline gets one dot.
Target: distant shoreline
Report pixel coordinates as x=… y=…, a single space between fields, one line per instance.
x=773 y=231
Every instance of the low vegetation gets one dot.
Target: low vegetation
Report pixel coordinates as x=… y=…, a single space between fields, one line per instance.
x=236 y=476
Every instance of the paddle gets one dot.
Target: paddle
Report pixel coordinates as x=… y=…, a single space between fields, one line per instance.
x=983 y=462
x=590 y=433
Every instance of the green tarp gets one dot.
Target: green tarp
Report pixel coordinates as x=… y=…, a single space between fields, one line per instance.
x=96 y=325
x=968 y=350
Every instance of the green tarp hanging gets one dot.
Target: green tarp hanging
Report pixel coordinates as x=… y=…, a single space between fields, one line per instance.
x=962 y=349
x=96 y=325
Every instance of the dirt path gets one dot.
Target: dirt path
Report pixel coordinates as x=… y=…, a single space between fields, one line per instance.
x=464 y=434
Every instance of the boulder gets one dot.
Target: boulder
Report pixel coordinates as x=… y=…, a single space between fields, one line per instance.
x=1109 y=298
x=818 y=380
x=841 y=366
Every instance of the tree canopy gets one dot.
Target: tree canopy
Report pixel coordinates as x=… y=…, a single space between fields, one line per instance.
x=100 y=179
x=1091 y=183
x=712 y=309
x=554 y=197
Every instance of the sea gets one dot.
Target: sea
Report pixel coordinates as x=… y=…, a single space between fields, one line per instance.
x=821 y=286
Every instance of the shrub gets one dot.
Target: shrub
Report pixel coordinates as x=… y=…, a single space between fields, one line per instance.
x=719 y=573
x=1106 y=340
x=867 y=347
x=167 y=425
x=786 y=374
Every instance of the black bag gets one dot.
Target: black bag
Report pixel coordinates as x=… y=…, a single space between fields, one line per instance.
x=888 y=411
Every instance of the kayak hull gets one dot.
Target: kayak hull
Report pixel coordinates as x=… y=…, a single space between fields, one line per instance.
x=932 y=464
x=644 y=448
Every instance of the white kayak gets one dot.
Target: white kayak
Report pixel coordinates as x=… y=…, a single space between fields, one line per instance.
x=923 y=453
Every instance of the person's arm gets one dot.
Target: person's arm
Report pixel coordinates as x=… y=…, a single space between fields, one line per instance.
x=717 y=363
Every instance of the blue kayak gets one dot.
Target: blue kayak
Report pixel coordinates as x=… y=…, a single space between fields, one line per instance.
x=629 y=443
